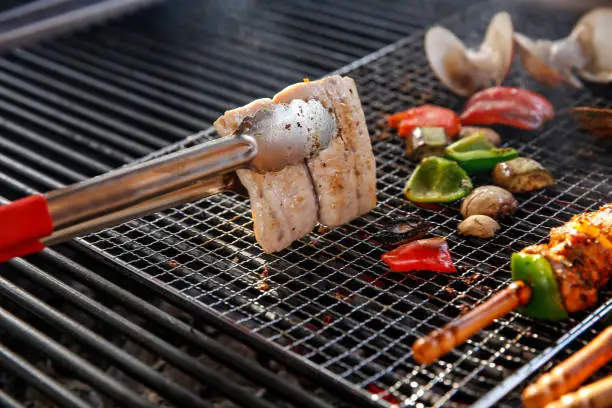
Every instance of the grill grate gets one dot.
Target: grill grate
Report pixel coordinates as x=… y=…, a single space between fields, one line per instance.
x=328 y=300
x=81 y=105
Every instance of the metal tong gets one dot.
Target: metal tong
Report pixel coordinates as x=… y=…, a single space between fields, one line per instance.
x=268 y=141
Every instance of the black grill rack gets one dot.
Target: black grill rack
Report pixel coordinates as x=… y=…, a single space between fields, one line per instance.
x=329 y=301
x=81 y=105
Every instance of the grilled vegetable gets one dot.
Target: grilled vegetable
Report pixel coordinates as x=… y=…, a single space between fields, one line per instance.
x=476 y=154
x=491 y=135
x=492 y=201
x=437 y=180
x=481 y=226
x=536 y=271
x=522 y=175
x=426 y=141
x=507 y=106
x=551 y=280
x=423 y=255
x=403 y=230
x=534 y=101
x=425 y=116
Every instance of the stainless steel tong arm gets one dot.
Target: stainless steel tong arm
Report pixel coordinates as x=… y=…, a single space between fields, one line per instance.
x=124 y=188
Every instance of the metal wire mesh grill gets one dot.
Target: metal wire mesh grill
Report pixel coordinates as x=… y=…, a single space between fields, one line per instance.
x=329 y=299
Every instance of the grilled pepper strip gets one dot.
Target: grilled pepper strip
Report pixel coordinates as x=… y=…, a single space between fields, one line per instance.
x=437 y=180
x=535 y=271
x=507 y=106
x=423 y=255
x=534 y=101
x=425 y=116
x=476 y=153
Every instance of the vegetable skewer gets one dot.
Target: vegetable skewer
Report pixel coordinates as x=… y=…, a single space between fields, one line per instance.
x=550 y=281
x=572 y=372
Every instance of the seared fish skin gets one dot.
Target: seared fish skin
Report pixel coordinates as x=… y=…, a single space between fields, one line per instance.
x=332 y=188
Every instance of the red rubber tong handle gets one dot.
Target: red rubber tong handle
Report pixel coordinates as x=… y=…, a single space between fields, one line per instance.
x=22 y=224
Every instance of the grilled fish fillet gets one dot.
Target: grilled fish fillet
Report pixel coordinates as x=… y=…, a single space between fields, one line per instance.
x=334 y=187
x=580 y=253
x=283 y=203
x=345 y=173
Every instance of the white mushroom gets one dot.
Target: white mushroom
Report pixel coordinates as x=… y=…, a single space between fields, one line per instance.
x=465 y=70
x=585 y=50
x=481 y=226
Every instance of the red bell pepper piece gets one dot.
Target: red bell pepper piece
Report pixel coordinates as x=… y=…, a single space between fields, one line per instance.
x=507 y=113
x=422 y=255
x=426 y=115
x=533 y=100
x=504 y=105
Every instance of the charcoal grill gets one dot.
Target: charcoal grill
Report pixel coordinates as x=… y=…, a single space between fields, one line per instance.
x=326 y=308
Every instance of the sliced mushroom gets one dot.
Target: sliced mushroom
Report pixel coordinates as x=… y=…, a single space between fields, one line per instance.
x=481 y=226
x=585 y=50
x=492 y=201
x=465 y=70
x=522 y=175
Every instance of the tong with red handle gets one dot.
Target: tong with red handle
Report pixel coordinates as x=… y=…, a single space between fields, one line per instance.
x=29 y=224
x=22 y=224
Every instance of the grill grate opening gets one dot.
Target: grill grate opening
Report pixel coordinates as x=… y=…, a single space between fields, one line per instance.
x=329 y=300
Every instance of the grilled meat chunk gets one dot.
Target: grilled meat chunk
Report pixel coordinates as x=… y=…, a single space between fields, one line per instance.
x=344 y=174
x=283 y=203
x=580 y=253
x=333 y=187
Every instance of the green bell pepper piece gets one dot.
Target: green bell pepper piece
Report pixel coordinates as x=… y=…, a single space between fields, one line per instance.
x=437 y=180
x=476 y=153
x=535 y=271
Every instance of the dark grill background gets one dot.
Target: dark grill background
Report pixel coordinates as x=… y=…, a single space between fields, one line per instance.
x=78 y=106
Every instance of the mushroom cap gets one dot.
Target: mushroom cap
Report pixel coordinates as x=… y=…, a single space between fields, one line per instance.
x=594 y=31
x=464 y=70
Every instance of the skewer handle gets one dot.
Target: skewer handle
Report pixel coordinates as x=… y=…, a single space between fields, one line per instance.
x=595 y=395
x=572 y=372
x=428 y=349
